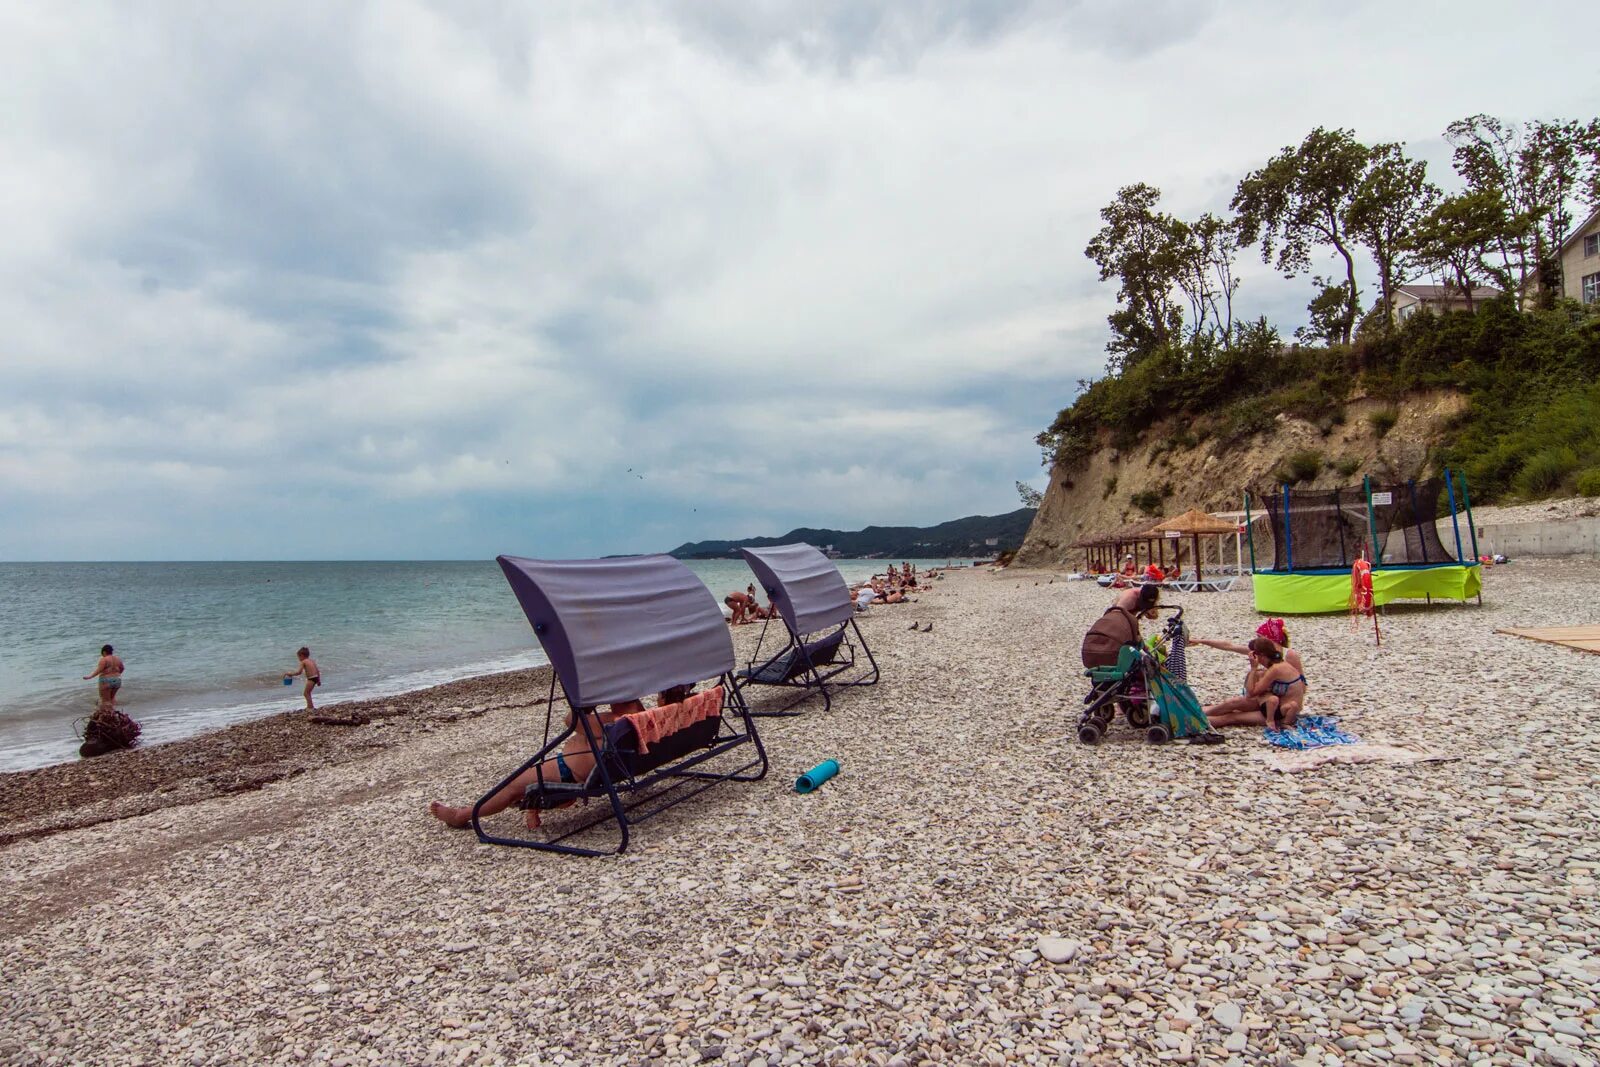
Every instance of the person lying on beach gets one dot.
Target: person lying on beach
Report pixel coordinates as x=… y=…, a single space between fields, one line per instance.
x=1275 y=691
x=887 y=592
x=755 y=610
x=109 y=671
x=313 y=673
x=572 y=764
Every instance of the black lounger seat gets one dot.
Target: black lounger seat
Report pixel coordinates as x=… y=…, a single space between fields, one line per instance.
x=812 y=599
x=792 y=664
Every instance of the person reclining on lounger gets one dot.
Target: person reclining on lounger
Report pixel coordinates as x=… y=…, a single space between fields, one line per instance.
x=572 y=764
x=1275 y=691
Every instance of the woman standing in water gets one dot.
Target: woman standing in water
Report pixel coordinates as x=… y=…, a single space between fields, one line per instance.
x=109 y=671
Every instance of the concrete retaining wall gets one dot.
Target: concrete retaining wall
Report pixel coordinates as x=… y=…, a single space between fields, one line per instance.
x=1571 y=537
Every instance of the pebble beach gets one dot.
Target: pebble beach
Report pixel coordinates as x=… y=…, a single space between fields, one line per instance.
x=975 y=887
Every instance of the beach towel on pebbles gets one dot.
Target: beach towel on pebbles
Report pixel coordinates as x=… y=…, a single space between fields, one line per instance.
x=1309 y=731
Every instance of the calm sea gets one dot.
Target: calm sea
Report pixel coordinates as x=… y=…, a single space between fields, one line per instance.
x=207 y=644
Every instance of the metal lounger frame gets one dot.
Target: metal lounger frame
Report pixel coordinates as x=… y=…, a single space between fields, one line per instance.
x=603 y=784
x=814 y=677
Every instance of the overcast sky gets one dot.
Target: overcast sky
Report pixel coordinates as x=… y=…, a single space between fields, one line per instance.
x=409 y=280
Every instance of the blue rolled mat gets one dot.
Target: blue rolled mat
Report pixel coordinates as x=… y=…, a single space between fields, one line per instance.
x=812 y=779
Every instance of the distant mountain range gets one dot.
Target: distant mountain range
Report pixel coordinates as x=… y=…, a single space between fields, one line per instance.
x=975 y=535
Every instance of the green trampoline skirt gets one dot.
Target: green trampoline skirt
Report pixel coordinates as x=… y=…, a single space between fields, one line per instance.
x=1319 y=592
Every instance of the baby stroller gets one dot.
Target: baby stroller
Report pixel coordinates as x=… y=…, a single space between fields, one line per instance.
x=1148 y=683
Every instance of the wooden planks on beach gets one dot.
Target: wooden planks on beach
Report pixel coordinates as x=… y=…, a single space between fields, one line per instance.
x=1584 y=638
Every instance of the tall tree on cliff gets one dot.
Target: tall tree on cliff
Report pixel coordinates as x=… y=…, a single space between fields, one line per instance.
x=1459 y=238
x=1203 y=253
x=1301 y=200
x=1135 y=246
x=1536 y=170
x=1388 y=204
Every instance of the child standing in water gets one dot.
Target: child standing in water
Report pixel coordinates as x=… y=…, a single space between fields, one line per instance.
x=308 y=667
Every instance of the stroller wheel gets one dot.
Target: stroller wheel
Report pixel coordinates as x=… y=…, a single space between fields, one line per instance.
x=1137 y=713
x=1158 y=734
x=1089 y=733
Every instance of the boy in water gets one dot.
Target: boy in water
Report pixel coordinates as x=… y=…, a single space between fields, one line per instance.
x=308 y=667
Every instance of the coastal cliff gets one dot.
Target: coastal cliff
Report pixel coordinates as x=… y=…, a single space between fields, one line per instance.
x=1180 y=463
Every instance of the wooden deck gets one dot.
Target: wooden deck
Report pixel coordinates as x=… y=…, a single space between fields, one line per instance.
x=1584 y=638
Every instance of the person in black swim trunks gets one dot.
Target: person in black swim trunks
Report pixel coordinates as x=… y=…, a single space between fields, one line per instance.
x=1275 y=691
x=313 y=673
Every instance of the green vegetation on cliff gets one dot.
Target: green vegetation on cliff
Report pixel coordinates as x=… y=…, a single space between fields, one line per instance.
x=1530 y=368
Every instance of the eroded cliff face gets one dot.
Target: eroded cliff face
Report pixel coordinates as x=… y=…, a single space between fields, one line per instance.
x=1098 y=496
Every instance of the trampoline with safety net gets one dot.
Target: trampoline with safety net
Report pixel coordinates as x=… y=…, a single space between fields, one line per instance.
x=1319 y=534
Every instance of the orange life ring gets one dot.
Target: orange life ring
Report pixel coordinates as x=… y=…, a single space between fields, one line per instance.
x=1361 y=587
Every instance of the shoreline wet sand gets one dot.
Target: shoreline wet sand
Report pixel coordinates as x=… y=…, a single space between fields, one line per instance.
x=974 y=887
x=244 y=756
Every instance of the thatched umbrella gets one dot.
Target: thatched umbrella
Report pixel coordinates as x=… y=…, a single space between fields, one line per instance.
x=1193 y=523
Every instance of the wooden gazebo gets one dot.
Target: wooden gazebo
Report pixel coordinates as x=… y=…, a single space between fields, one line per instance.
x=1105 y=551
x=1196 y=524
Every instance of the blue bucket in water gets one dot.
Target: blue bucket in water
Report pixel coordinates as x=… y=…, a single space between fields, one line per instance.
x=288 y=679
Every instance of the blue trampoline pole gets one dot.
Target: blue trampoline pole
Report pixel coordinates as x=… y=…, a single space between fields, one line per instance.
x=1466 y=502
x=1450 y=490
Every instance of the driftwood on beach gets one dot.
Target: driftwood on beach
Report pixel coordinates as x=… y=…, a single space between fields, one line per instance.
x=353 y=719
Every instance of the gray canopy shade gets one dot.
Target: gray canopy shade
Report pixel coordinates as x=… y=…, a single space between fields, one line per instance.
x=619 y=629
x=805 y=585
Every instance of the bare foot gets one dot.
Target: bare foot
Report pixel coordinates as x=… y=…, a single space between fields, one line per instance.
x=456 y=818
x=530 y=818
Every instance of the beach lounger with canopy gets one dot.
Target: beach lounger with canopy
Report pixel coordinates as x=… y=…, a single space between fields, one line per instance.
x=814 y=603
x=617 y=630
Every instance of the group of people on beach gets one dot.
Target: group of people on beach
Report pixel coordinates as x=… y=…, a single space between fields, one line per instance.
x=893 y=587
x=1274 y=688
x=1130 y=573
x=744 y=607
x=111 y=728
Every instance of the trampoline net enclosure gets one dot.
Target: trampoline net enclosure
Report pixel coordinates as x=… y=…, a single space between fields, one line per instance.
x=1316 y=529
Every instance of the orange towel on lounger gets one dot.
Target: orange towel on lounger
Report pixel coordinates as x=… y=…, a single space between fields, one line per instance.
x=653 y=724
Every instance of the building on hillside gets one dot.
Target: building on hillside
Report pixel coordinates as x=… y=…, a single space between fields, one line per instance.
x=1410 y=299
x=1580 y=262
